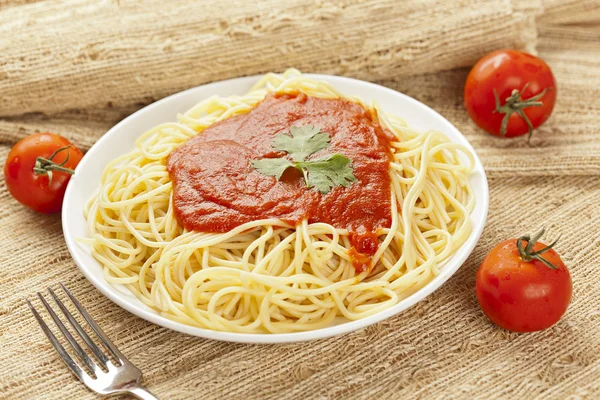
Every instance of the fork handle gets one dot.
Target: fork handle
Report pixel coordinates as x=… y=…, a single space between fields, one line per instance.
x=141 y=392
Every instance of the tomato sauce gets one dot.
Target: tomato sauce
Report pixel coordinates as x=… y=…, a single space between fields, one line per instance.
x=216 y=188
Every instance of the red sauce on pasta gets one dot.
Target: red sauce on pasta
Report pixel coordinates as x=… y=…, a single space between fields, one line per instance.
x=216 y=188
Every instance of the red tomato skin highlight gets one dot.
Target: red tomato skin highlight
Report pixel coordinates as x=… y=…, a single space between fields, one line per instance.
x=35 y=191
x=505 y=70
x=522 y=296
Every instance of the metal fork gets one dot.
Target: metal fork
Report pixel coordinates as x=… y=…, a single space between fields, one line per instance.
x=123 y=378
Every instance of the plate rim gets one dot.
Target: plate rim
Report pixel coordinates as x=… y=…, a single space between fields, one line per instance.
x=112 y=293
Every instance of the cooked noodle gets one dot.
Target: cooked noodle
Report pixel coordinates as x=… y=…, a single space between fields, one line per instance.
x=267 y=276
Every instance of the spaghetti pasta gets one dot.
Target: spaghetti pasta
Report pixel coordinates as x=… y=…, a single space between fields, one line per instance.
x=267 y=276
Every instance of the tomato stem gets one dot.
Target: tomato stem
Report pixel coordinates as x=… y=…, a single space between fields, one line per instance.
x=45 y=166
x=528 y=255
x=516 y=104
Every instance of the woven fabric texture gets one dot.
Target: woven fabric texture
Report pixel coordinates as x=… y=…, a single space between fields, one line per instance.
x=80 y=54
x=78 y=67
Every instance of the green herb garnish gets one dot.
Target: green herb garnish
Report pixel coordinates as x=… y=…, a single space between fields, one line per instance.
x=323 y=173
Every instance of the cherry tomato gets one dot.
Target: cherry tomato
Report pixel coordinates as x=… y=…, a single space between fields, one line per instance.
x=38 y=169
x=522 y=293
x=525 y=88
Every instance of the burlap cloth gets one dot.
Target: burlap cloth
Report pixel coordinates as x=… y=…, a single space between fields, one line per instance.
x=77 y=67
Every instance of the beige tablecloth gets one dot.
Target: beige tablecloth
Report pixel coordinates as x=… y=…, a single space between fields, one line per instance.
x=441 y=348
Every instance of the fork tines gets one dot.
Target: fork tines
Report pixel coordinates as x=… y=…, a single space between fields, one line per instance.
x=100 y=373
x=77 y=369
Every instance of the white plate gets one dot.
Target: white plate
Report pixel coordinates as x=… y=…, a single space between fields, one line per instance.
x=121 y=139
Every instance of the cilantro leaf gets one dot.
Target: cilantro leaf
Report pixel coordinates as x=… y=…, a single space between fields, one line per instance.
x=305 y=140
x=322 y=173
x=272 y=166
x=327 y=172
